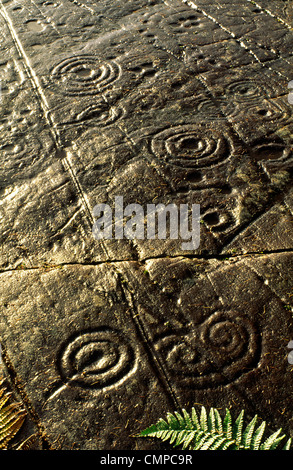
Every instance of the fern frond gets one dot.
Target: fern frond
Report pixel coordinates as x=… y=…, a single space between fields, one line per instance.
x=212 y=421
x=272 y=441
x=257 y=436
x=30 y=443
x=203 y=419
x=11 y=418
x=188 y=420
x=227 y=425
x=237 y=429
x=288 y=444
x=218 y=421
x=248 y=434
x=208 y=431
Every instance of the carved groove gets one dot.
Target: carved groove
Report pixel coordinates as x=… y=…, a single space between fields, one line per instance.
x=96 y=359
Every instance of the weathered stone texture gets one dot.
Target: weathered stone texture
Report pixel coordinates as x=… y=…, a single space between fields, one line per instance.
x=159 y=102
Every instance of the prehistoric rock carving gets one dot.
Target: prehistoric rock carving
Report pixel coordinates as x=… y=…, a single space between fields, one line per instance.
x=191 y=146
x=97 y=359
x=219 y=350
x=85 y=74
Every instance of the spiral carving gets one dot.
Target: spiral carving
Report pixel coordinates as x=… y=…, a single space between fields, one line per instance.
x=229 y=337
x=219 y=350
x=97 y=359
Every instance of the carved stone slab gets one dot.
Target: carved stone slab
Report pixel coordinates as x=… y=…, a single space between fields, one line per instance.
x=173 y=102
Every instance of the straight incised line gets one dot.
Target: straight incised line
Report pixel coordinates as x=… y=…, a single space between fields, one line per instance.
x=140 y=327
x=201 y=79
x=30 y=73
x=82 y=5
x=268 y=12
x=47 y=114
x=270 y=286
x=193 y=5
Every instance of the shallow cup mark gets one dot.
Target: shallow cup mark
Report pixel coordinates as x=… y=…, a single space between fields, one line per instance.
x=35 y=26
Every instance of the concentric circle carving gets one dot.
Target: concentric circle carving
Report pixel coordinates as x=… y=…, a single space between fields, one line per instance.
x=85 y=74
x=191 y=146
x=245 y=91
x=270 y=110
x=97 y=359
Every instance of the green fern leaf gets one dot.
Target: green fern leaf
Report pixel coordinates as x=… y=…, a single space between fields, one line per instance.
x=237 y=429
x=287 y=445
x=201 y=440
x=203 y=419
x=248 y=434
x=272 y=441
x=173 y=421
x=189 y=439
x=218 y=420
x=184 y=437
x=226 y=444
x=212 y=421
x=257 y=436
x=227 y=425
x=180 y=419
x=211 y=432
x=188 y=420
x=194 y=419
x=208 y=442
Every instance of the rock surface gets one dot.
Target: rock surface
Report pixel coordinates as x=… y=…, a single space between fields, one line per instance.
x=172 y=102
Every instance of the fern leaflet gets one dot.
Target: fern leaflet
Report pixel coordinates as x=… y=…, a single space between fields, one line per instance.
x=11 y=418
x=209 y=431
